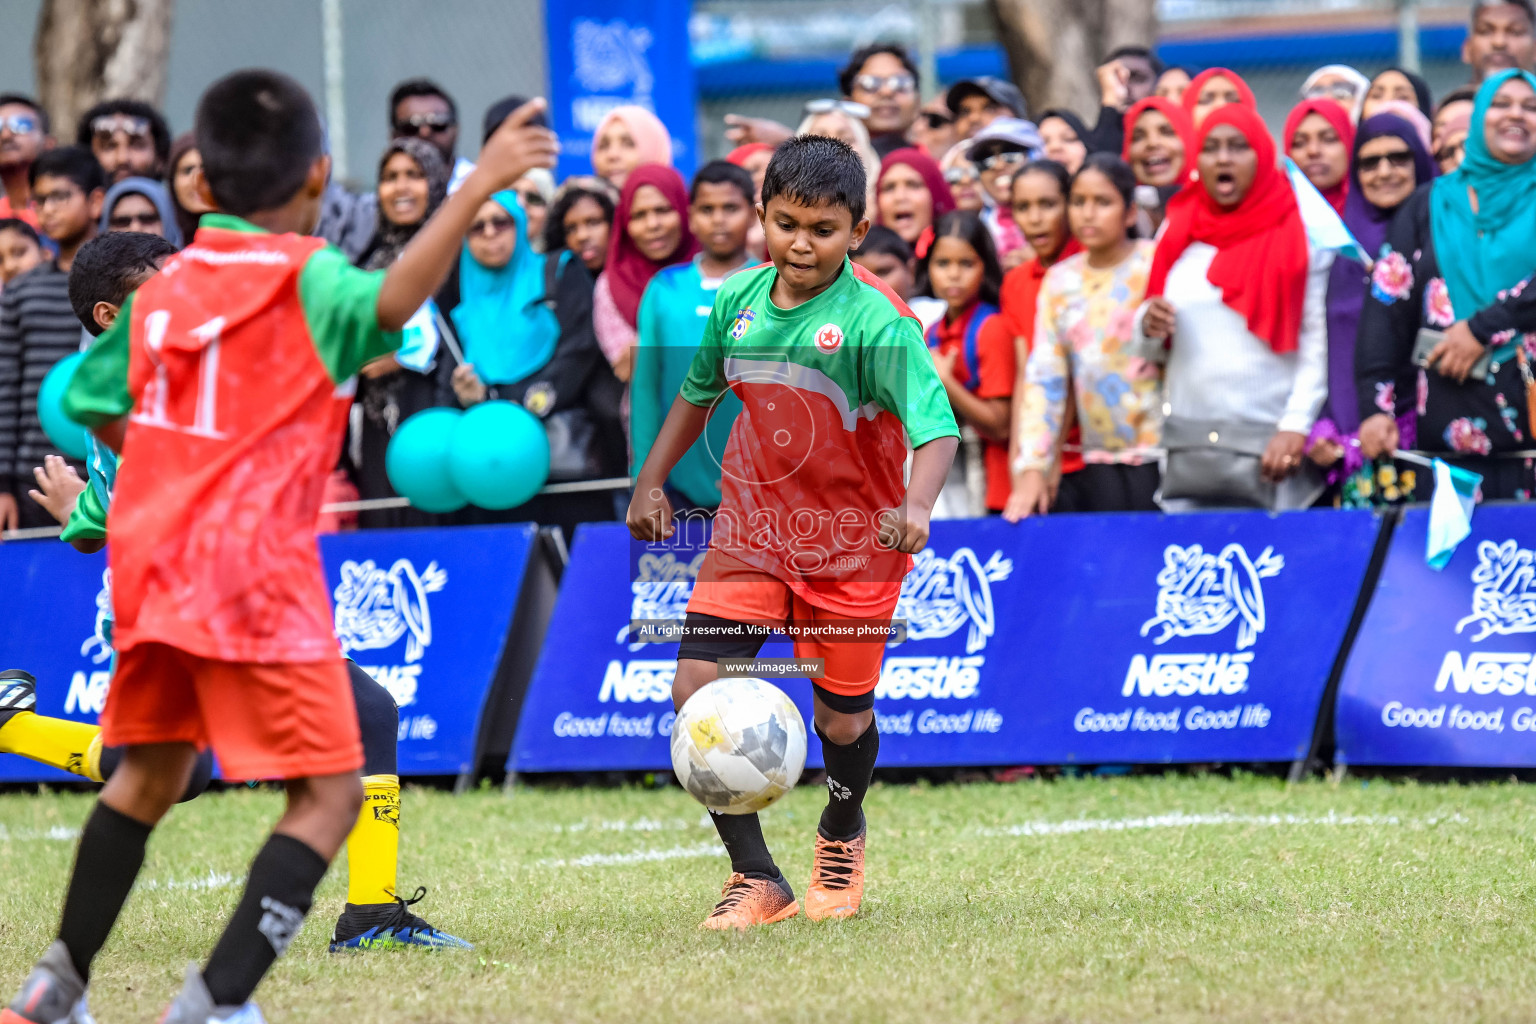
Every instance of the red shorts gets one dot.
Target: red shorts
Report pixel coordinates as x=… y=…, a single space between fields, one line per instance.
x=731 y=589
x=263 y=721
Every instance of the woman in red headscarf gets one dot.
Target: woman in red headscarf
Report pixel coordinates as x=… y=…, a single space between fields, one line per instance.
x=1236 y=307
x=650 y=231
x=910 y=195
x=1319 y=137
x=1158 y=144
x=1215 y=87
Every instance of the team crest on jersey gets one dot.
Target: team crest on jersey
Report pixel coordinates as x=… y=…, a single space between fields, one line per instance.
x=744 y=318
x=829 y=338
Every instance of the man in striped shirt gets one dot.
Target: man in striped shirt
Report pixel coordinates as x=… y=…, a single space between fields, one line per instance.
x=38 y=325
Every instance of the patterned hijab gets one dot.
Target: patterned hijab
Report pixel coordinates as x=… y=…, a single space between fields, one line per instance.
x=390 y=239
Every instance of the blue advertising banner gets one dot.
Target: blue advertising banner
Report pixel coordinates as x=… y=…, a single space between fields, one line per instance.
x=425 y=612
x=610 y=53
x=1067 y=639
x=1443 y=671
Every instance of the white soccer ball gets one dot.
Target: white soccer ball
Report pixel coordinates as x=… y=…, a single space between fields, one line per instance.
x=738 y=745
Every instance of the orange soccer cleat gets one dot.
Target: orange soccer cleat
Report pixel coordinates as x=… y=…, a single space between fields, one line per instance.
x=837 y=878
x=748 y=902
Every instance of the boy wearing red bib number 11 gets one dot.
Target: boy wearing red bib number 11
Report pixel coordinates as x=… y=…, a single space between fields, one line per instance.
x=816 y=527
x=225 y=383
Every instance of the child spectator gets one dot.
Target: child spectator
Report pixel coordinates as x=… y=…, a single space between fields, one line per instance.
x=1083 y=355
x=972 y=348
x=37 y=323
x=1039 y=192
x=223 y=629
x=890 y=259
x=673 y=313
x=581 y=220
x=20 y=249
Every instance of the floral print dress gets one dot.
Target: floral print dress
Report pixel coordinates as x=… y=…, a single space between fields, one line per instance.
x=1480 y=425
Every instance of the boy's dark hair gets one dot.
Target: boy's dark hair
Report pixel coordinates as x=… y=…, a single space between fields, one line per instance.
x=812 y=169
x=857 y=59
x=18 y=225
x=723 y=172
x=133 y=108
x=420 y=87
x=1525 y=5
x=258 y=132
x=9 y=98
x=1049 y=168
x=107 y=268
x=1142 y=52
x=881 y=240
x=498 y=112
x=568 y=196
x=1460 y=94
x=77 y=163
x=1115 y=169
x=967 y=226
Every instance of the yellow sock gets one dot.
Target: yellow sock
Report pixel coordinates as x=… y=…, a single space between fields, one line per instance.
x=73 y=746
x=373 y=848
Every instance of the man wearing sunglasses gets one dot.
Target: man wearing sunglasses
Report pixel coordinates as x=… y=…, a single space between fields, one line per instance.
x=420 y=108
x=129 y=139
x=883 y=78
x=23 y=135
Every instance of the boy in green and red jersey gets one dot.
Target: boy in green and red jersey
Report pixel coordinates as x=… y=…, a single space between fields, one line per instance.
x=225 y=383
x=816 y=526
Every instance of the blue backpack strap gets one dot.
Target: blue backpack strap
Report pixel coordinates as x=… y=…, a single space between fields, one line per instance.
x=984 y=312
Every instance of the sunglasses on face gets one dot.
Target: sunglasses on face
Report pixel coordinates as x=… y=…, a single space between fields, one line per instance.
x=416 y=122
x=493 y=226
x=1333 y=90
x=1448 y=153
x=531 y=199
x=857 y=111
x=878 y=83
x=1003 y=161
x=134 y=222
x=1401 y=161
x=959 y=175
x=19 y=124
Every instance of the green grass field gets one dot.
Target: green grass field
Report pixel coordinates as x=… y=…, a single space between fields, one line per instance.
x=1131 y=899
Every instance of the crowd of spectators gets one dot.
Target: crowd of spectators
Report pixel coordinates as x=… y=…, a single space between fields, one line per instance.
x=1168 y=307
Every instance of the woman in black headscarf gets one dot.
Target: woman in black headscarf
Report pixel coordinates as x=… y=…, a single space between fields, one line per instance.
x=1066 y=139
x=1397 y=84
x=413 y=182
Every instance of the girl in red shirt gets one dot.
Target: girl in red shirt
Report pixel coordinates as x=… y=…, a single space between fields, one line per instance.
x=972 y=349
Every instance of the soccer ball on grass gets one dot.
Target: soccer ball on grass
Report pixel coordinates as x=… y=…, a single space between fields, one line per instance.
x=738 y=745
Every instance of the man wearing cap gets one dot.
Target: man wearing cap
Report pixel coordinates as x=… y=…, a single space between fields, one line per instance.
x=977 y=102
x=128 y=137
x=998 y=151
x=1500 y=37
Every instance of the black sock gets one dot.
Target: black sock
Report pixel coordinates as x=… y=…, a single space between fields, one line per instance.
x=107 y=861
x=742 y=835
x=278 y=893
x=849 y=769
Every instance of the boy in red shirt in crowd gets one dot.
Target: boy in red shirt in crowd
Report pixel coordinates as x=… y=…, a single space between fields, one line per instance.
x=816 y=525
x=225 y=383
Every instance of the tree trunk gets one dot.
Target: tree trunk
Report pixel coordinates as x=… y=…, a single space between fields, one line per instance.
x=86 y=51
x=1054 y=45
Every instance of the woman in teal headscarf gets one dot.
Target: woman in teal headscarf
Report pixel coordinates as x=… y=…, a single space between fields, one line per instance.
x=1456 y=260
x=504 y=324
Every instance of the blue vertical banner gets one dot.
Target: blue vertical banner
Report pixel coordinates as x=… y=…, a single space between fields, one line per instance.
x=612 y=53
x=1443 y=671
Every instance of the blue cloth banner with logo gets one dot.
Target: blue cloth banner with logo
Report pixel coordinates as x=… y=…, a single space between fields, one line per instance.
x=1064 y=639
x=1443 y=671
x=610 y=53
x=425 y=612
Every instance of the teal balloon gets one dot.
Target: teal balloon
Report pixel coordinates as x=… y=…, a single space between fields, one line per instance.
x=416 y=461
x=500 y=455
x=67 y=435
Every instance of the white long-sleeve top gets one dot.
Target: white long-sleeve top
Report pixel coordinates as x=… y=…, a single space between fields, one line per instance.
x=1219 y=370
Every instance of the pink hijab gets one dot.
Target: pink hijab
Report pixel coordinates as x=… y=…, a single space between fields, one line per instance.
x=653 y=143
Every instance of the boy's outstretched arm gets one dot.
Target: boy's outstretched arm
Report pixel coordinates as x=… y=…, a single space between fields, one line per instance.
x=650 y=513
x=515 y=149
x=906 y=528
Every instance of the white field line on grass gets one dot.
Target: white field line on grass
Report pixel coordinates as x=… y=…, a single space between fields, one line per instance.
x=56 y=834
x=212 y=880
x=592 y=860
x=1179 y=819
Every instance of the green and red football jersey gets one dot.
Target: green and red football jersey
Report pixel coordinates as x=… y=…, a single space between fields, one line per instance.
x=834 y=392
x=236 y=365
